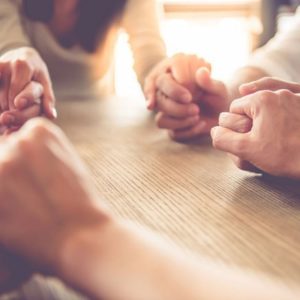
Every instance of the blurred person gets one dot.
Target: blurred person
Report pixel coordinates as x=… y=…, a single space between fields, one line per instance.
x=66 y=231
x=68 y=47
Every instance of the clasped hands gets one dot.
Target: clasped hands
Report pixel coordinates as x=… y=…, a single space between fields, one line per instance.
x=25 y=89
x=260 y=129
x=25 y=93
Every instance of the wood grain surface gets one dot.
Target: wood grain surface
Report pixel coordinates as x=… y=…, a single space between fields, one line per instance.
x=190 y=194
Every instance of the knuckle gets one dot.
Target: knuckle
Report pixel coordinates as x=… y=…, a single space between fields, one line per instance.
x=266 y=98
x=267 y=81
x=284 y=93
x=40 y=128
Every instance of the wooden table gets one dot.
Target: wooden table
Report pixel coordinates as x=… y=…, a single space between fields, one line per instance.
x=191 y=194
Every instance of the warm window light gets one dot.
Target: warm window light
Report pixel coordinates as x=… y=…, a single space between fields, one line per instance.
x=225 y=41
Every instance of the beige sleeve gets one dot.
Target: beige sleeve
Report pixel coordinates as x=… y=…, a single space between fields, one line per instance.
x=12 y=34
x=141 y=21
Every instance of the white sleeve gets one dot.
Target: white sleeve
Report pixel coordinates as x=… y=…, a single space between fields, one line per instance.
x=141 y=21
x=280 y=57
x=12 y=34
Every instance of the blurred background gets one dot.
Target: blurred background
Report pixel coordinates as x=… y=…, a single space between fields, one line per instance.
x=224 y=32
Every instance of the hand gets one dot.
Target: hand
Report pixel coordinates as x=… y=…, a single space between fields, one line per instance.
x=18 y=68
x=28 y=105
x=241 y=124
x=188 y=99
x=271 y=145
x=59 y=197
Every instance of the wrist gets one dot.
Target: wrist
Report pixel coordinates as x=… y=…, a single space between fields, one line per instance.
x=78 y=246
x=243 y=75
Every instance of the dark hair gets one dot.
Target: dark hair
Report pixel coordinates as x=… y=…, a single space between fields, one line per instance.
x=95 y=17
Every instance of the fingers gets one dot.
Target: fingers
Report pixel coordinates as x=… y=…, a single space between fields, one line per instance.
x=150 y=97
x=205 y=82
x=230 y=141
x=235 y=122
x=150 y=82
x=48 y=102
x=268 y=83
x=150 y=91
x=31 y=94
x=174 y=109
x=167 y=122
x=18 y=118
x=190 y=133
x=4 y=88
x=168 y=86
x=21 y=75
x=244 y=164
x=252 y=105
x=184 y=68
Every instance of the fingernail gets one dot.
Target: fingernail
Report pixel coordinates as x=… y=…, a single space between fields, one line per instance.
x=213 y=132
x=54 y=112
x=223 y=116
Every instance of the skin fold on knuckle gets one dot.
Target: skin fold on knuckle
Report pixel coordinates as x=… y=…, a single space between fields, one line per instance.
x=266 y=98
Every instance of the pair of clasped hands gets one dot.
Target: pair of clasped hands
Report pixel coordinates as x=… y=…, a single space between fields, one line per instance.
x=25 y=89
x=258 y=128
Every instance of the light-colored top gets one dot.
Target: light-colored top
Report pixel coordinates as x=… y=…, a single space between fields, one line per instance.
x=280 y=57
x=74 y=72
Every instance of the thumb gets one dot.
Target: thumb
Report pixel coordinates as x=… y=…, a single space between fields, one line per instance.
x=209 y=85
x=48 y=99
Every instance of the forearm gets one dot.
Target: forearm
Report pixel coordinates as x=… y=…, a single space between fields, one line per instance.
x=241 y=76
x=120 y=262
x=141 y=22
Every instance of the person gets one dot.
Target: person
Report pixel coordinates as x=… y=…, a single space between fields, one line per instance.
x=68 y=47
x=174 y=101
x=66 y=231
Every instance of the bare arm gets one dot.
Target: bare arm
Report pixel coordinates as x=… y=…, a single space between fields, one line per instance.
x=68 y=232
x=141 y=21
x=123 y=262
